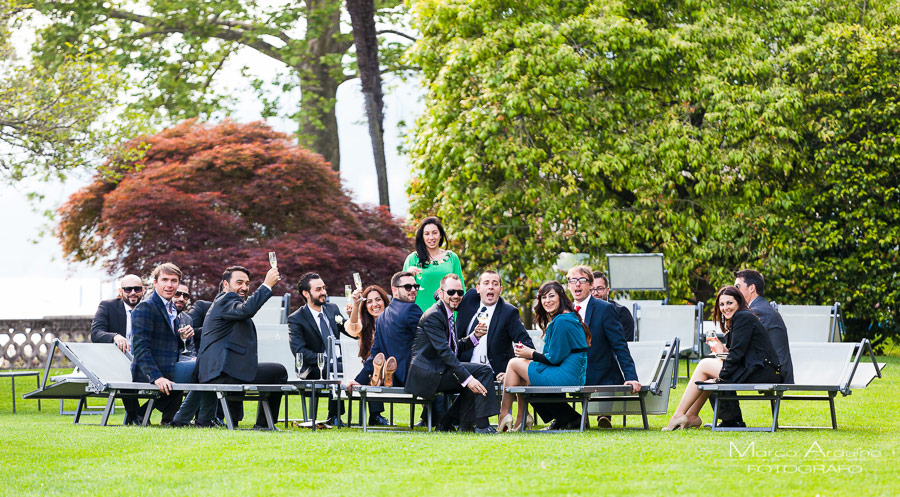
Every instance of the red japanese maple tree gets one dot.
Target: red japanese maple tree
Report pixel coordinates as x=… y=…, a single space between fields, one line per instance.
x=209 y=196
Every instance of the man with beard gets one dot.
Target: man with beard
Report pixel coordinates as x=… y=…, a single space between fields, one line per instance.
x=112 y=324
x=156 y=339
x=600 y=290
x=434 y=366
x=310 y=326
x=228 y=345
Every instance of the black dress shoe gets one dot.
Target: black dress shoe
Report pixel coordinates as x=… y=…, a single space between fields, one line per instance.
x=490 y=430
x=445 y=428
x=731 y=423
x=421 y=424
x=335 y=422
x=378 y=420
x=466 y=427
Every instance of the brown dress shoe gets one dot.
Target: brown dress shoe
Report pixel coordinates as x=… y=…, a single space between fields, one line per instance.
x=390 y=367
x=377 y=374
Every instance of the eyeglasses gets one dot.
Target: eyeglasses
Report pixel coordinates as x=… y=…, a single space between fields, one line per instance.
x=454 y=292
x=598 y=288
x=409 y=287
x=132 y=289
x=183 y=295
x=577 y=281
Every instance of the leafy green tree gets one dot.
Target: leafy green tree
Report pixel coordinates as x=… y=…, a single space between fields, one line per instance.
x=641 y=126
x=51 y=120
x=176 y=49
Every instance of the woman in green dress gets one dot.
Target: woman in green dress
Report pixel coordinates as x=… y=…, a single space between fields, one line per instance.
x=431 y=262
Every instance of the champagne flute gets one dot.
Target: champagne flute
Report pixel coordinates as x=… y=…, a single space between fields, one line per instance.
x=298 y=361
x=183 y=332
x=272 y=260
x=320 y=361
x=358 y=281
x=348 y=292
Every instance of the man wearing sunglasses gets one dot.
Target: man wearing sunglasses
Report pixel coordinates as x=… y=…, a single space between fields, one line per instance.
x=395 y=330
x=112 y=324
x=434 y=366
x=600 y=290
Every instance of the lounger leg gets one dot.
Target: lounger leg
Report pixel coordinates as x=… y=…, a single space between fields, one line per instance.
x=314 y=407
x=110 y=402
x=525 y=401
x=833 y=413
x=148 y=412
x=81 y=402
x=644 y=411
x=13 y=380
x=303 y=404
x=775 y=412
x=349 y=409
x=226 y=413
x=715 y=400
x=264 y=402
x=38 y=385
x=584 y=412
x=349 y=419
x=287 y=401
x=362 y=411
x=427 y=406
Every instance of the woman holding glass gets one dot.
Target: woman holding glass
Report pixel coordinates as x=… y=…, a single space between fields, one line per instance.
x=564 y=360
x=751 y=357
x=364 y=307
x=431 y=262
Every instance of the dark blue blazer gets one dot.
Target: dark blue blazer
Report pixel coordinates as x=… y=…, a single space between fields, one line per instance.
x=109 y=320
x=395 y=330
x=504 y=330
x=608 y=357
x=772 y=321
x=155 y=342
x=228 y=344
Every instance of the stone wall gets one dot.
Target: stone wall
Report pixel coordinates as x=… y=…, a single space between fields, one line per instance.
x=25 y=343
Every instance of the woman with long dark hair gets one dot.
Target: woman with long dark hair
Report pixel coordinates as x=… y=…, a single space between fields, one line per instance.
x=364 y=308
x=751 y=357
x=564 y=359
x=431 y=261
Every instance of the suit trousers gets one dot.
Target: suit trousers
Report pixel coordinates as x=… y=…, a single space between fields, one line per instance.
x=471 y=405
x=267 y=373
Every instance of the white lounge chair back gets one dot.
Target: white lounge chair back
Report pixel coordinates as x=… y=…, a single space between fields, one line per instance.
x=352 y=363
x=662 y=322
x=822 y=363
x=811 y=323
x=100 y=362
x=273 y=344
x=649 y=360
x=629 y=303
x=341 y=303
x=536 y=338
x=272 y=312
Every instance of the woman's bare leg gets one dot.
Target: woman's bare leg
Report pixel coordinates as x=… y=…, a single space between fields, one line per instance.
x=693 y=399
x=519 y=367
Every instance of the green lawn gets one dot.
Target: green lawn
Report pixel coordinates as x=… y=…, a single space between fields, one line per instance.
x=42 y=453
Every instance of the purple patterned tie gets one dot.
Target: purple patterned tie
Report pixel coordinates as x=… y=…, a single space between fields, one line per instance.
x=452 y=333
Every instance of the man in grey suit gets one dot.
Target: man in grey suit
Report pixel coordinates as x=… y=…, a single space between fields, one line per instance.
x=752 y=286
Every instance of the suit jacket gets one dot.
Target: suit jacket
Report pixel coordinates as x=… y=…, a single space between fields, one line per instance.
x=749 y=348
x=504 y=329
x=155 y=342
x=198 y=316
x=228 y=344
x=627 y=320
x=305 y=335
x=109 y=320
x=431 y=357
x=772 y=321
x=395 y=330
x=609 y=361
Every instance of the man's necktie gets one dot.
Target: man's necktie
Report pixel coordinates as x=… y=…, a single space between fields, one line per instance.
x=578 y=308
x=452 y=333
x=324 y=330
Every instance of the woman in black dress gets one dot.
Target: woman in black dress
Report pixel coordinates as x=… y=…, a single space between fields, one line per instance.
x=751 y=357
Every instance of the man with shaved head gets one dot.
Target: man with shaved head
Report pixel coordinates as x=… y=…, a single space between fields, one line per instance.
x=112 y=324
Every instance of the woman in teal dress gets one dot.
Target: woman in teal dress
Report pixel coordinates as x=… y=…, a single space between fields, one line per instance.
x=564 y=359
x=431 y=262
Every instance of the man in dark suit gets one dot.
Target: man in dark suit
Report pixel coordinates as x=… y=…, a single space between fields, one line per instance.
x=310 y=326
x=395 y=330
x=228 y=347
x=156 y=339
x=609 y=361
x=752 y=286
x=434 y=366
x=600 y=290
x=112 y=324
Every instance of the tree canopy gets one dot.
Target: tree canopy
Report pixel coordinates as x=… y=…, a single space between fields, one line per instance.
x=209 y=196
x=724 y=135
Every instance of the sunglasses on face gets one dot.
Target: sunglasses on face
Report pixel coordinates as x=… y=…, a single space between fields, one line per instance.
x=454 y=292
x=132 y=289
x=409 y=287
x=183 y=295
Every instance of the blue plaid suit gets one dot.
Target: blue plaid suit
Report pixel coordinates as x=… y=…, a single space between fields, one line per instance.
x=155 y=342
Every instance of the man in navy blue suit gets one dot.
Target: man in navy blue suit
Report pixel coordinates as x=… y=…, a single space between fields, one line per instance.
x=156 y=340
x=609 y=361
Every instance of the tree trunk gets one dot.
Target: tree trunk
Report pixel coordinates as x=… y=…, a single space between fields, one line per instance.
x=362 y=18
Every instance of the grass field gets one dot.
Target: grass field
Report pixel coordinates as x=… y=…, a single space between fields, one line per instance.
x=42 y=453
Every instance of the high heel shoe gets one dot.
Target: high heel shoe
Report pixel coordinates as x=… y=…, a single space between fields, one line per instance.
x=390 y=367
x=676 y=423
x=696 y=423
x=529 y=422
x=506 y=424
x=378 y=372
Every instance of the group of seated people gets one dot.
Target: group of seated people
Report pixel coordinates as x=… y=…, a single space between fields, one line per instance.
x=429 y=336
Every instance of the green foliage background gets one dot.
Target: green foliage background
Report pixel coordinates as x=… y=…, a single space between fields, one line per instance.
x=724 y=134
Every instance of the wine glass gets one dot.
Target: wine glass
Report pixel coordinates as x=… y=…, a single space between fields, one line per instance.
x=348 y=292
x=320 y=361
x=482 y=318
x=272 y=260
x=183 y=332
x=357 y=280
x=298 y=361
